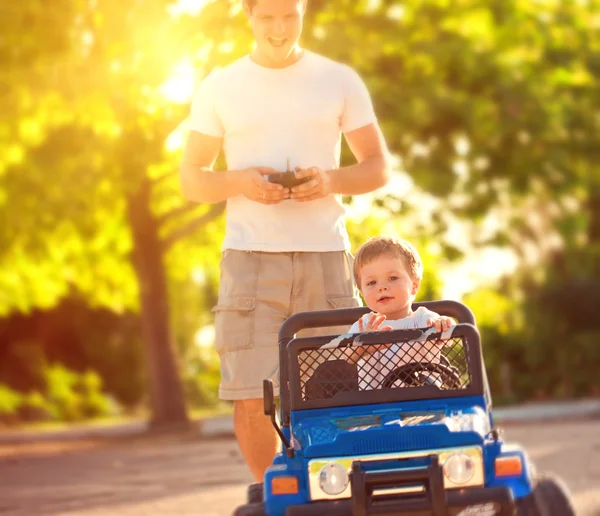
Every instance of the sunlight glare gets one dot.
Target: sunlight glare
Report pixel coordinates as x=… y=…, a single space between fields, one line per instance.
x=395 y=12
x=176 y=139
x=187 y=7
x=226 y=47
x=373 y=6
x=479 y=268
x=198 y=276
x=205 y=337
x=462 y=145
x=180 y=86
x=399 y=186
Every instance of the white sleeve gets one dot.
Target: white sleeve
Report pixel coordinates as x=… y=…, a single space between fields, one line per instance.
x=204 y=117
x=335 y=342
x=422 y=314
x=365 y=319
x=354 y=328
x=358 y=108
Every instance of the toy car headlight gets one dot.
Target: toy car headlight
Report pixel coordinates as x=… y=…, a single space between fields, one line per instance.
x=333 y=478
x=459 y=468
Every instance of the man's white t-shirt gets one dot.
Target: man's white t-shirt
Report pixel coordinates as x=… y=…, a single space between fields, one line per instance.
x=267 y=116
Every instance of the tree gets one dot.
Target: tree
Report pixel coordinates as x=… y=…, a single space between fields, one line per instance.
x=93 y=147
x=479 y=99
x=491 y=107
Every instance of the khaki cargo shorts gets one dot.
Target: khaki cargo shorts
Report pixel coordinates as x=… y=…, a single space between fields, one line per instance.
x=258 y=292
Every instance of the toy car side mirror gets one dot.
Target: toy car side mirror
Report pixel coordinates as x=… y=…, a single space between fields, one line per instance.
x=269 y=409
x=268 y=398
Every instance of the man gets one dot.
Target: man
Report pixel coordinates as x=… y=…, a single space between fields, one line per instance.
x=285 y=250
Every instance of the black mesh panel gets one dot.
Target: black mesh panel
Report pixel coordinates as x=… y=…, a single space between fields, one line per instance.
x=324 y=372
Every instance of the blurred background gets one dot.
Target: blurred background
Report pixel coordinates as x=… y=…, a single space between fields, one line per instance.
x=107 y=276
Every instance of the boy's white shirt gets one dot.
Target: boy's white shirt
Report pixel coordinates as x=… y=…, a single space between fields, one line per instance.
x=373 y=369
x=417 y=319
x=269 y=115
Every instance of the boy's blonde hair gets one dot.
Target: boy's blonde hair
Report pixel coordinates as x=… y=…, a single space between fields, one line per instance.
x=395 y=247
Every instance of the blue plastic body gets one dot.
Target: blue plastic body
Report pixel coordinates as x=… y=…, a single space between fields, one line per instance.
x=380 y=429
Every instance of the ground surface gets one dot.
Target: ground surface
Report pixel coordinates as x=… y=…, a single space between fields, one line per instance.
x=186 y=475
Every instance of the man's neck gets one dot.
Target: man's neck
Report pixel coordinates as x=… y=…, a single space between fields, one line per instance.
x=262 y=60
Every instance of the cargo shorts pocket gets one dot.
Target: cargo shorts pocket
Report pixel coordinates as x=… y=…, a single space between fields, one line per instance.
x=338 y=277
x=344 y=302
x=234 y=324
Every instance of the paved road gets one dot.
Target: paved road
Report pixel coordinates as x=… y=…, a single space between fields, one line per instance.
x=186 y=475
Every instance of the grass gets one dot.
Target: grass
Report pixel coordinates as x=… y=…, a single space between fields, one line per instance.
x=223 y=409
x=53 y=426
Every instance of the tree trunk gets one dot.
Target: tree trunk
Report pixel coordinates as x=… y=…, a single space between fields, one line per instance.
x=594 y=227
x=166 y=393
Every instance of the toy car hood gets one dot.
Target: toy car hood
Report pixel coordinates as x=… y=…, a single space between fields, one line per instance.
x=390 y=431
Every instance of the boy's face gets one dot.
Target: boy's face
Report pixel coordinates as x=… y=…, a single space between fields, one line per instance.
x=277 y=25
x=388 y=287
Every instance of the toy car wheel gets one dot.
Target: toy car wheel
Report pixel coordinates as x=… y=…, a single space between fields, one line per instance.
x=251 y=509
x=255 y=493
x=550 y=497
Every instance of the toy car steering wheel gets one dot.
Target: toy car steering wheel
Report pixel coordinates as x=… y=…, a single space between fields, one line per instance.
x=411 y=374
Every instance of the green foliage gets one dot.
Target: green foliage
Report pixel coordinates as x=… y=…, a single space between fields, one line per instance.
x=10 y=400
x=22 y=364
x=73 y=396
x=201 y=373
x=67 y=396
x=35 y=407
x=202 y=388
x=490 y=106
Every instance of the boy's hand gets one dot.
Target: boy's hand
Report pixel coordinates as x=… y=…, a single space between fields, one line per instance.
x=374 y=322
x=441 y=323
x=317 y=187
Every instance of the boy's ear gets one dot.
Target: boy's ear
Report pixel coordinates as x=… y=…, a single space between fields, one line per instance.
x=416 y=285
x=247 y=8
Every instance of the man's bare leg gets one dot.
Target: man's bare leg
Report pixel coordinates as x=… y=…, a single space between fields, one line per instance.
x=255 y=435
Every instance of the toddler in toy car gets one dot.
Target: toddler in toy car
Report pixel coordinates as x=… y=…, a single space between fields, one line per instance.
x=388 y=272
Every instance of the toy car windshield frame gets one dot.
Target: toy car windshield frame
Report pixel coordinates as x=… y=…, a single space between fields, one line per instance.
x=307 y=346
x=291 y=399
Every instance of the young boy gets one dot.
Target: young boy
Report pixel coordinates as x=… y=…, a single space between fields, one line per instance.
x=388 y=272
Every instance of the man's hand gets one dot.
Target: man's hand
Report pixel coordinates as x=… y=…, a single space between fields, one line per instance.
x=441 y=323
x=316 y=188
x=255 y=187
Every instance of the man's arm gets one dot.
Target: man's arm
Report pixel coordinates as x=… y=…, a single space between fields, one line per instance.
x=200 y=184
x=371 y=172
x=372 y=169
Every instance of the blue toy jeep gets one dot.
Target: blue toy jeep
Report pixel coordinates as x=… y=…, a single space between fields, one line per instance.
x=392 y=423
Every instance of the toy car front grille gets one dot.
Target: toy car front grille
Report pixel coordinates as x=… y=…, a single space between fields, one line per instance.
x=349 y=366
